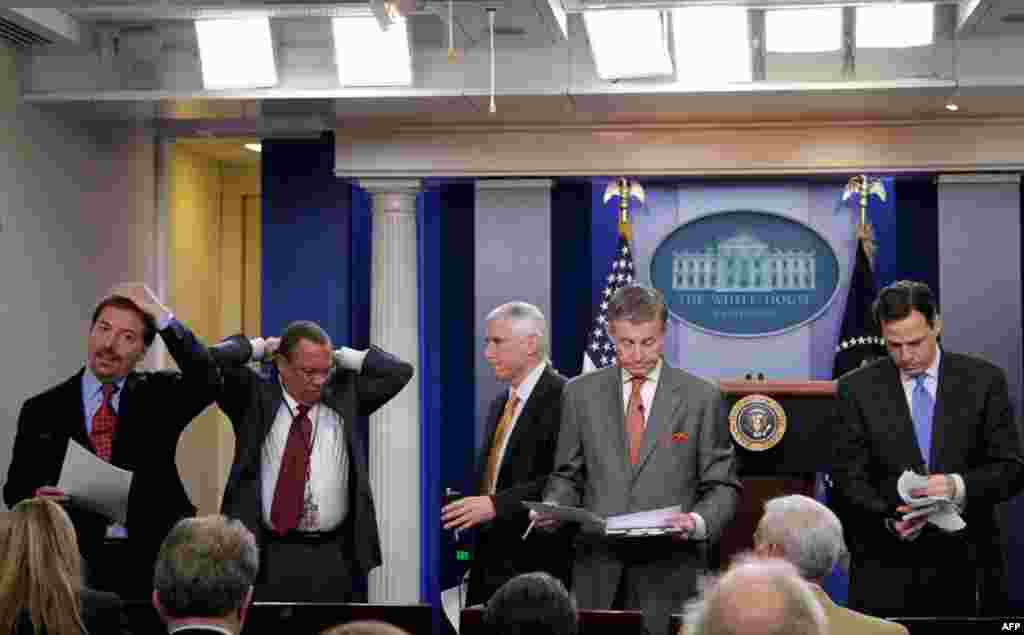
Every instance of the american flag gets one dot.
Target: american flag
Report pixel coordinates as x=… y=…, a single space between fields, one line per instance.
x=600 y=351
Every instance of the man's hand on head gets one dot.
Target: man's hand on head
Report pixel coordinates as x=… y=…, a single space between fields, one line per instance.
x=145 y=299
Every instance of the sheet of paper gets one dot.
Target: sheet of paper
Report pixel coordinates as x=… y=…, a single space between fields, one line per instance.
x=941 y=511
x=565 y=513
x=95 y=484
x=649 y=519
x=452 y=601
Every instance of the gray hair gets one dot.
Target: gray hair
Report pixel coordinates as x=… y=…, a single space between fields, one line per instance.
x=638 y=304
x=206 y=566
x=758 y=596
x=810 y=534
x=526 y=319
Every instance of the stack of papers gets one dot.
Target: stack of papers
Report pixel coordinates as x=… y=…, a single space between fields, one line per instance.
x=653 y=522
x=940 y=511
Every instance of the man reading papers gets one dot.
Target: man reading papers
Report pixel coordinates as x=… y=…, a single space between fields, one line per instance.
x=641 y=436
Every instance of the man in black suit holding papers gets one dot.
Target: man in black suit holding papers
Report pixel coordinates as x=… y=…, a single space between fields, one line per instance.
x=515 y=459
x=948 y=418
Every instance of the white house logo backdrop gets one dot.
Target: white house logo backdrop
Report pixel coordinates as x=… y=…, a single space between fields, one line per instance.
x=745 y=273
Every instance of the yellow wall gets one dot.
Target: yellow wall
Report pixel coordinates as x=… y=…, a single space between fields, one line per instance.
x=214 y=224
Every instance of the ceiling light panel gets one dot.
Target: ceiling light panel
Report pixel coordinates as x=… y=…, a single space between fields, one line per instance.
x=367 y=55
x=629 y=43
x=712 y=45
x=895 y=26
x=236 y=53
x=804 y=30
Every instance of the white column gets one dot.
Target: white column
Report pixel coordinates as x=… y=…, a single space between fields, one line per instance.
x=395 y=428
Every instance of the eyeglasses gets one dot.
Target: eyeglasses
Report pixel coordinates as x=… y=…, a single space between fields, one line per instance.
x=311 y=374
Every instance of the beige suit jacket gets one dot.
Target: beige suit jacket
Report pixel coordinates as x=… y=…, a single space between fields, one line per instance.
x=843 y=621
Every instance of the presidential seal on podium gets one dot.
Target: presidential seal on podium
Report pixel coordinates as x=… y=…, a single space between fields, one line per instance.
x=757 y=422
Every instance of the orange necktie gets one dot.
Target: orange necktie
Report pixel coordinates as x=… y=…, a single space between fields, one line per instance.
x=491 y=476
x=635 y=419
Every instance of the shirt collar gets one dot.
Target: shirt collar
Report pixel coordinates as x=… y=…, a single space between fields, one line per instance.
x=529 y=382
x=292 y=402
x=932 y=372
x=652 y=376
x=202 y=627
x=91 y=386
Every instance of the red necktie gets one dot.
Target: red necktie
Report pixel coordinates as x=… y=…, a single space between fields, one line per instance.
x=635 y=419
x=104 y=423
x=291 y=480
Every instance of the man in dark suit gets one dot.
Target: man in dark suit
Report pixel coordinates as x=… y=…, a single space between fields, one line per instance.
x=515 y=459
x=204 y=576
x=300 y=480
x=131 y=419
x=639 y=436
x=940 y=414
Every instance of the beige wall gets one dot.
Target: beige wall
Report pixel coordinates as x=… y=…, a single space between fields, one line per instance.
x=213 y=270
x=78 y=214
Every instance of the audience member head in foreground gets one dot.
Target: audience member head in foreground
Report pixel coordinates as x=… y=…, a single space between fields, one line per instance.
x=531 y=604
x=41 y=571
x=757 y=596
x=365 y=627
x=205 y=573
x=803 y=531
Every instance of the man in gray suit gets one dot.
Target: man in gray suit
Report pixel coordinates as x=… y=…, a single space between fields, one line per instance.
x=637 y=436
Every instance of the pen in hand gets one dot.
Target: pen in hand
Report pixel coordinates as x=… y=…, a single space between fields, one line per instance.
x=530 y=528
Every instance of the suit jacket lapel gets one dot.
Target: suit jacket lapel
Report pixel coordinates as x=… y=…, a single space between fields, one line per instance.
x=897 y=422
x=71 y=396
x=667 y=399
x=942 y=419
x=530 y=410
x=611 y=396
x=497 y=407
x=123 y=434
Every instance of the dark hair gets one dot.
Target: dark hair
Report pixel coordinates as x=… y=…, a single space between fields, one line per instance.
x=205 y=567
x=302 y=330
x=638 y=304
x=121 y=302
x=899 y=299
x=531 y=604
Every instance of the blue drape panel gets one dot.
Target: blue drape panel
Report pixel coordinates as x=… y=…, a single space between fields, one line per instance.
x=570 y=274
x=306 y=265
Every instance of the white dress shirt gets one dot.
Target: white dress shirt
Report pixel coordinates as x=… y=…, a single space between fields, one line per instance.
x=327 y=487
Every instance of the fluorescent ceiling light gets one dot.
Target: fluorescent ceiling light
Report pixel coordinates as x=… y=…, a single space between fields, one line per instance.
x=628 y=43
x=895 y=26
x=236 y=53
x=712 y=45
x=255 y=147
x=367 y=55
x=804 y=30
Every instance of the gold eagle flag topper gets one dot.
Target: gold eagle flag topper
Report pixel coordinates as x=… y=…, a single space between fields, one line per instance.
x=624 y=189
x=865 y=187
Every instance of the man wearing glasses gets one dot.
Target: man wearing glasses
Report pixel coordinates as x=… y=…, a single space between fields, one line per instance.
x=299 y=479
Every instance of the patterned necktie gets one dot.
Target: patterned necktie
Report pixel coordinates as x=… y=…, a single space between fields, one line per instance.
x=289 y=493
x=635 y=419
x=104 y=423
x=494 y=458
x=922 y=406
